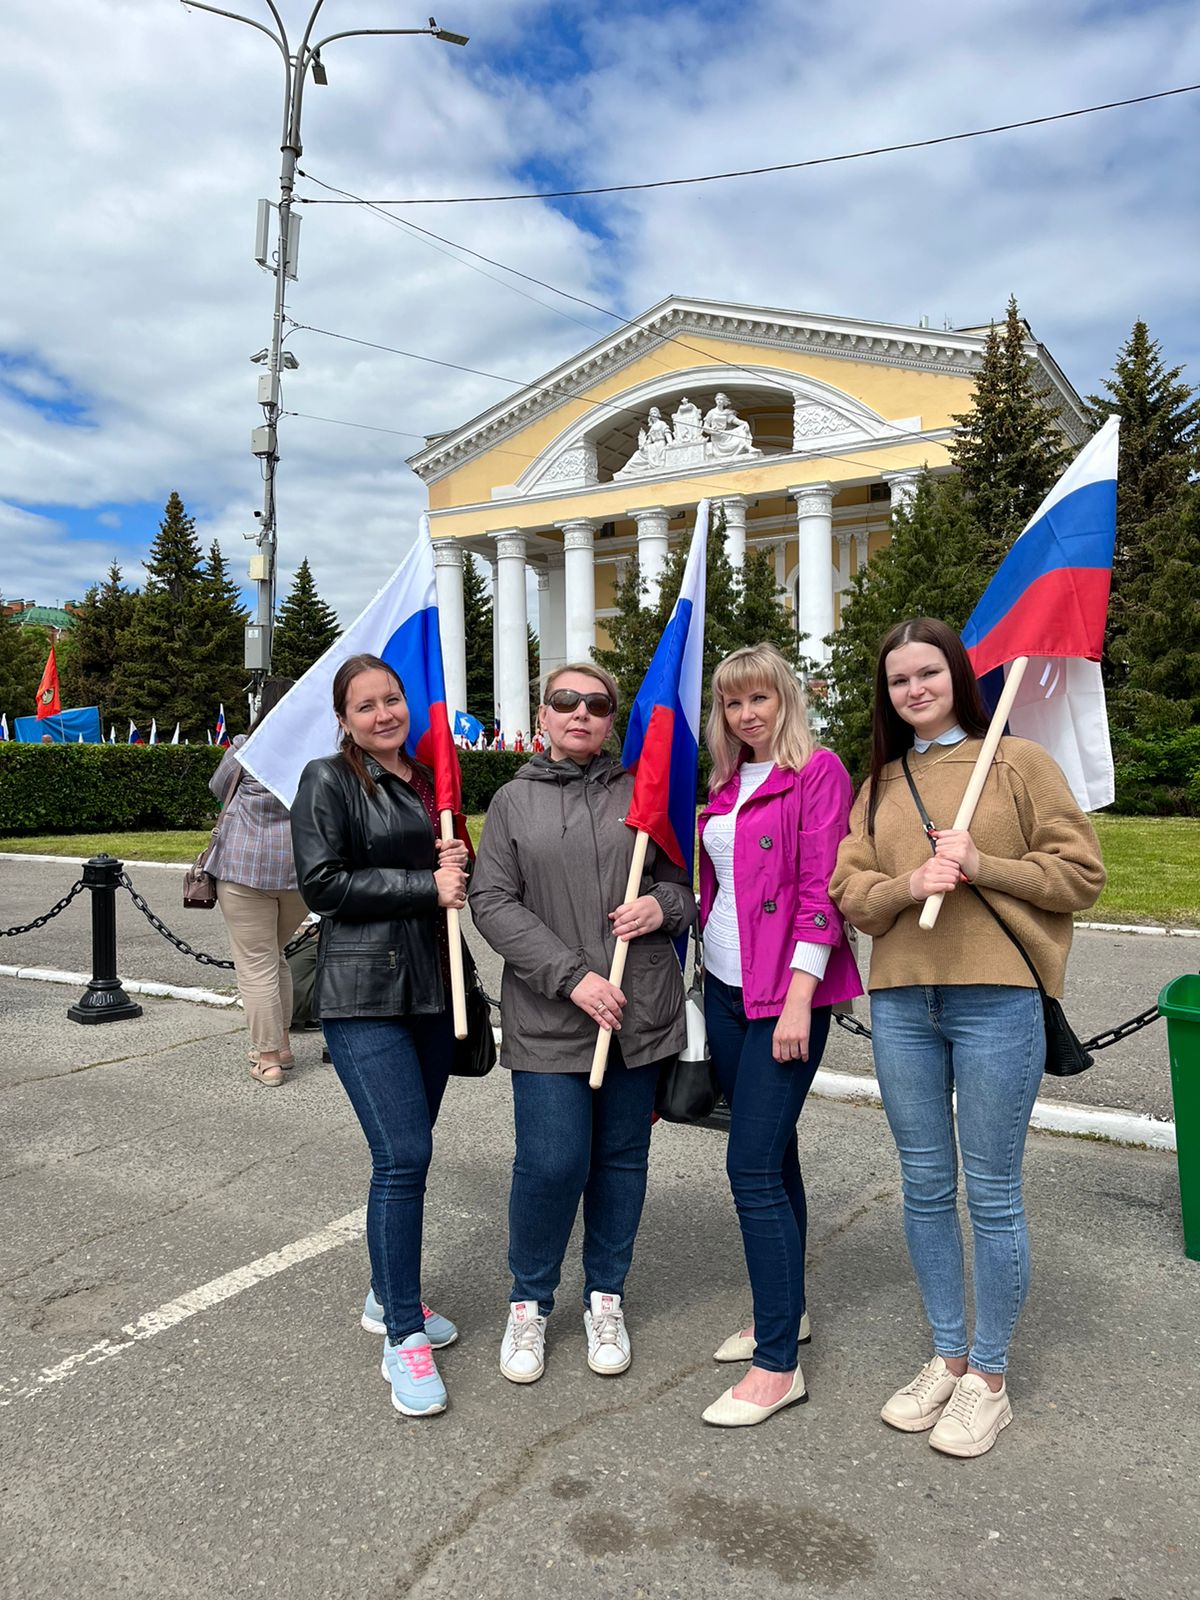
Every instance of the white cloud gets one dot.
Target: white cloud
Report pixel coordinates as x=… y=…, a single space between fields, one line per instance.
x=149 y=132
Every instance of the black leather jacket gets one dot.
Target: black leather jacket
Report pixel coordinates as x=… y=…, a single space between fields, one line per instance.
x=365 y=864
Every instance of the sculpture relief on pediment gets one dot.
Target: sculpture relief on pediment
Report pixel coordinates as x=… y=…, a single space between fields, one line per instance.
x=816 y=421
x=690 y=440
x=576 y=466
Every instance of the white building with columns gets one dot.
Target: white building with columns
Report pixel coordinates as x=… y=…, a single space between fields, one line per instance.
x=808 y=430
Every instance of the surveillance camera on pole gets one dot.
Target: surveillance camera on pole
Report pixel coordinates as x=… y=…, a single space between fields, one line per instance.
x=282 y=261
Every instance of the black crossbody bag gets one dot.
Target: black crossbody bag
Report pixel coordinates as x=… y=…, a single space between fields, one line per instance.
x=1065 y=1056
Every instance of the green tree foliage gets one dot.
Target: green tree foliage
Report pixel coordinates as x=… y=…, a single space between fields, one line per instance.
x=180 y=654
x=1164 y=635
x=1008 y=450
x=23 y=654
x=86 y=673
x=477 y=615
x=933 y=567
x=1160 y=449
x=305 y=627
x=737 y=612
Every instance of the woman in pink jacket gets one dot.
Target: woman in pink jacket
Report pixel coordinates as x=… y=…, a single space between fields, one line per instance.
x=776 y=962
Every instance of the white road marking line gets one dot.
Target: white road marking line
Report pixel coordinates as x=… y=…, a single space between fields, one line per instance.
x=167 y=991
x=81 y=861
x=344 y=1230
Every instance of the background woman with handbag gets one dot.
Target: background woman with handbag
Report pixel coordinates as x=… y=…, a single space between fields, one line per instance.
x=547 y=895
x=776 y=962
x=364 y=833
x=955 y=1009
x=251 y=859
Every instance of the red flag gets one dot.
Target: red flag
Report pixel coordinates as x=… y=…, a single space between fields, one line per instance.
x=48 y=703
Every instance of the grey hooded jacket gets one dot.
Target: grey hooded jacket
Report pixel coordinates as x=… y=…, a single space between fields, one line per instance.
x=553 y=862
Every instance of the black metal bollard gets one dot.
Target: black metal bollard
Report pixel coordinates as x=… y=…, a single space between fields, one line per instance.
x=103 y=1000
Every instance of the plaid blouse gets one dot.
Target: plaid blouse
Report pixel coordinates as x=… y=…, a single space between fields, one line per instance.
x=254 y=836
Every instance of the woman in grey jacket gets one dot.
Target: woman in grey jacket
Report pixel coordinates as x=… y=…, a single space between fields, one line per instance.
x=546 y=894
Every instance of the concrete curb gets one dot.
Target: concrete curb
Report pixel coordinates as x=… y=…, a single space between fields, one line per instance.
x=1052 y=1116
x=80 y=861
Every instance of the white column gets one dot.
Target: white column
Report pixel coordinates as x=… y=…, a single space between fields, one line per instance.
x=843 y=540
x=495 y=566
x=814 y=527
x=903 y=486
x=448 y=575
x=551 y=614
x=580 y=588
x=512 y=632
x=735 y=530
x=781 y=566
x=862 y=541
x=651 y=547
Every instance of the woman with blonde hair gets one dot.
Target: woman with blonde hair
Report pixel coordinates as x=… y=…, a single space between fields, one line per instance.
x=776 y=962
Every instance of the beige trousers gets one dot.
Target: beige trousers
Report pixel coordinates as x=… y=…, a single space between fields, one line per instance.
x=260 y=923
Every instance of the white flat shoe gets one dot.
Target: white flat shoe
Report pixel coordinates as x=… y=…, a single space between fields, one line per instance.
x=741 y=1346
x=728 y=1412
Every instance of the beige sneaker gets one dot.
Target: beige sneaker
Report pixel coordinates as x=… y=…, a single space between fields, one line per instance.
x=741 y=1346
x=972 y=1418
x=919 y=1404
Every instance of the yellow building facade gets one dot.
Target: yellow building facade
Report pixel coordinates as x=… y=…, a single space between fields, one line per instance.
x=807 y=429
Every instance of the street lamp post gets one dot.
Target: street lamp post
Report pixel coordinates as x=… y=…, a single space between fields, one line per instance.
x=264 y=439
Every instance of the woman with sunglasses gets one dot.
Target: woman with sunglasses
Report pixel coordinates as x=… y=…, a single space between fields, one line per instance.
x=954 y=1010
x=776 y=962
x=546 y=894
x=371 y=864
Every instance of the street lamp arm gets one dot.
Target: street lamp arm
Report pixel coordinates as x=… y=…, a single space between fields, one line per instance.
x=236 y=16
x=356 y=33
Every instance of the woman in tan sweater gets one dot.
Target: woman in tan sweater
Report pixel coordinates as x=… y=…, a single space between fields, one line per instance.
x=955 y=1009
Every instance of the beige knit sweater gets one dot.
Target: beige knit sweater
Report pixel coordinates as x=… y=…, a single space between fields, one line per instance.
x=1039 y=860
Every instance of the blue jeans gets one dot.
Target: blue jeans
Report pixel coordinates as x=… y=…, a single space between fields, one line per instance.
x=763 y=1161
x=575 y=1141
x=394 y=1070
x=986 y=1042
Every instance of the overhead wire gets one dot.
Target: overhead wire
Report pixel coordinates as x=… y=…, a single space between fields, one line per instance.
x=780 y=166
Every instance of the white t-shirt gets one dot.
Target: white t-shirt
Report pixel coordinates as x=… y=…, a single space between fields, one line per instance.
x=722 y=942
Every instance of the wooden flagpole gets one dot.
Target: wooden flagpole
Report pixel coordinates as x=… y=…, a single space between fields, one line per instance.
x=458 y=985
x=983 y=762
x=604 y=1035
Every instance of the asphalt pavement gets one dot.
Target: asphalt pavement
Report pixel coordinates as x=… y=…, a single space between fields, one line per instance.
x=189 y=1408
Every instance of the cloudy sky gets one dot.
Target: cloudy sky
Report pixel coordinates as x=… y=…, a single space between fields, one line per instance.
x=140 y=134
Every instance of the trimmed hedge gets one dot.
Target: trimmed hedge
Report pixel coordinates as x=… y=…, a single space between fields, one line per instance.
x=94 y=788
x=1158 y=776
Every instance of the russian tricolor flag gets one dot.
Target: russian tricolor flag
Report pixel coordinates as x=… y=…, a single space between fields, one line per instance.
x=1049 y=601
x=401 y=626
x=662 y=742
x=222 y=732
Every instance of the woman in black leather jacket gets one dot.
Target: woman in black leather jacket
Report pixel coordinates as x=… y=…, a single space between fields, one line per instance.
x=363 y=833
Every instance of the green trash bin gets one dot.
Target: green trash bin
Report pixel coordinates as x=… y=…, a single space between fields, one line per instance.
x=1180 y=1004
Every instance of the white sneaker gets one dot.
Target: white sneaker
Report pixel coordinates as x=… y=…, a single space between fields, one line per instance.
x=523 y=1352
x=972 y=1419
x=608 y=1338
x=919 y=1404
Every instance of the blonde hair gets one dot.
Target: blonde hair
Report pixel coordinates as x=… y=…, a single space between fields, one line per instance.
x=589 y=669
x=757 y=666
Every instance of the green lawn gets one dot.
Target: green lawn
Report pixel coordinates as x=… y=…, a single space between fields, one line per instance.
x=1153 y=862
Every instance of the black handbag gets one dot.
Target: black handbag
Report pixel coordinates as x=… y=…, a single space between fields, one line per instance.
x=688 y=1090
x=1065 y=1055
x=475 y=1056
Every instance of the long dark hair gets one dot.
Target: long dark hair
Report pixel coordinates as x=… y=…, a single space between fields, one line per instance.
x=273 y=691
x=891 y=736
x=347 y=749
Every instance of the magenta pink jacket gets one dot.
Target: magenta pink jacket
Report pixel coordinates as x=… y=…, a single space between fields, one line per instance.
x=784 y=847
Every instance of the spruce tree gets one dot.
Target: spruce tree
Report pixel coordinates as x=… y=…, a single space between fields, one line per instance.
x=477 y=616
x=933 y=567
x=1160 y=449
x=222 y=676
x=163 y=652
x=1164 y=635
x=1008 y=450
x=87 y=673
x=305 y=627
x=22 y=656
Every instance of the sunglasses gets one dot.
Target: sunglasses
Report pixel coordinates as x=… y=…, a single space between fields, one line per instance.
x=599 y=705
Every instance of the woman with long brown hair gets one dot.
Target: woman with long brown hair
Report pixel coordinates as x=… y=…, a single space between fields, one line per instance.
x=955 y=1011
x=364 y=834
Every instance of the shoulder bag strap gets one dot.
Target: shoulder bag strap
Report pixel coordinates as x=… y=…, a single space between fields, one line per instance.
x=983 y=900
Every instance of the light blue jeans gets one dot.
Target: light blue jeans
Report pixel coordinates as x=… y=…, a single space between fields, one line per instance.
x=986 y=1043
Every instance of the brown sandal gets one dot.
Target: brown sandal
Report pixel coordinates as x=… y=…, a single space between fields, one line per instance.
x=286 y=1059
x=271 y=1075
